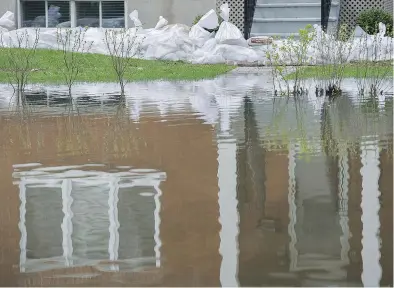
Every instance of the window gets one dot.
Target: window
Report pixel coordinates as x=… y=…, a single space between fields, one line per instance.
x=59 y=14
x=88 y=14
x=113 y=14
x=45 y=14
x=33 y=14
x=56 y=13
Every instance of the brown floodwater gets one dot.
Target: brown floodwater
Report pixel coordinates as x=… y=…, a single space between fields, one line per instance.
x=210 y=183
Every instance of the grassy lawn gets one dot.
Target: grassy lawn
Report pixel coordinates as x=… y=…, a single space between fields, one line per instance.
x=352 y=70
x=98 y=68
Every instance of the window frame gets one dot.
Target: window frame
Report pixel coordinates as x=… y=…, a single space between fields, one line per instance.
x=73 y=11
x=152 y=179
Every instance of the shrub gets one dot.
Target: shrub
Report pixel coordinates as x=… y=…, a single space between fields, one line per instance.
x=369 y=20
x=290 y=57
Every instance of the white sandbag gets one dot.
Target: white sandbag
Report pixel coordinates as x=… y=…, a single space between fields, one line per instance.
x=372 y=47
x=134 y=17
x=232 y=53
x=199 y=35
x=162 y=22
x=359 y=32
x=228 y=33
x=382 y=29
x=209 y=20
x=7 y=21
x=204 y=54
x=170 y=43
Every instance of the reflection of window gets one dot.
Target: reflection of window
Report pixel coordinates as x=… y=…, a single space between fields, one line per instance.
x=55 y=13
x=90 y=221
x=137 y=234
x=100 y=217
x=45 y=13
x=44 y=233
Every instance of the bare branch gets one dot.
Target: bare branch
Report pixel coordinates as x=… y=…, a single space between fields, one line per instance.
x=122 y=46
x=71 y=42
x=20 y=53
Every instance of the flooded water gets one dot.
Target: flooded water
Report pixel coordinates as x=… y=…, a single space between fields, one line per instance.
x=210 y=183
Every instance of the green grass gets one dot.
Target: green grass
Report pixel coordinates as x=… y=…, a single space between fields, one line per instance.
x=352 y=70
x=98 y=68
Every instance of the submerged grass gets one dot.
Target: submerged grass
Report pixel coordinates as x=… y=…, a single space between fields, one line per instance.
x=351 y=70
x=98 y=68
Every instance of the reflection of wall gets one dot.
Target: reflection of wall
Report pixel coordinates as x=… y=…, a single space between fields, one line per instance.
x=317 y=219
x=43 y=210
x=262 y=190
x=354 y=268
x=386 y=216
x=263 y=223
x=187 y=235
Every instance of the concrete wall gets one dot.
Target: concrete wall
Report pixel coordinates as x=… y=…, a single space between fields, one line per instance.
x=175 y=11
x=7 y=5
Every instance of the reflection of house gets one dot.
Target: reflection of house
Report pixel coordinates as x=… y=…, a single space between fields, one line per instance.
x=186 y=234
x=323 y=226
x=232 y=212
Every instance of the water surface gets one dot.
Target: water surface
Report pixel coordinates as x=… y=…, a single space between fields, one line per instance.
x=209 y=183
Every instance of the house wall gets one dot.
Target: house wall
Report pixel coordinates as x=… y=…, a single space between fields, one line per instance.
x=175 y=11
x=7 y=5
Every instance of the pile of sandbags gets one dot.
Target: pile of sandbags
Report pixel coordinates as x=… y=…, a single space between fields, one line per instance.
x=207 y=42
x=7 y=22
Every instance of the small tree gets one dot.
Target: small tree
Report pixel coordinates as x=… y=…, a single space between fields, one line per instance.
x=121 y=47
x=333 y=51
x=20 y=53
x=374 y=64
x=72 y=43
x=291 y=57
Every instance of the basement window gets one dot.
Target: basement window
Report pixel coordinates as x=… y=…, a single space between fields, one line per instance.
x=33 y=14
x=88 y=13
x=113 y=14
x=56 y=13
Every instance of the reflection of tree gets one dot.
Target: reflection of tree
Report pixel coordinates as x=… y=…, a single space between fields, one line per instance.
x=74 y=122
